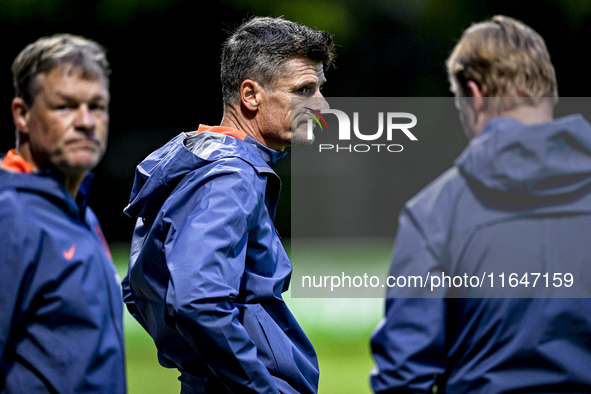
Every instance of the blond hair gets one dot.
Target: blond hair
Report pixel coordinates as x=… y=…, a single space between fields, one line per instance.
x=505 y=58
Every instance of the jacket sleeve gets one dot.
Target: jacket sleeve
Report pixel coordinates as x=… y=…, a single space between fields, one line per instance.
x=130 y=303
x=206 y=252
x=408 y=345
x=125 y=286
x=17 y=265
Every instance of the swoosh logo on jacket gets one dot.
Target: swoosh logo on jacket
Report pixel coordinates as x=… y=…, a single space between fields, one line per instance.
x=69 y=254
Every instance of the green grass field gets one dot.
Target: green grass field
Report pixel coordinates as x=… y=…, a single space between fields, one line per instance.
x=339 y=328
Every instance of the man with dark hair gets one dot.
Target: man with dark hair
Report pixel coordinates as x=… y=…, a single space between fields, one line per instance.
x=517 y=200
x=61 y=322
x=207 y=268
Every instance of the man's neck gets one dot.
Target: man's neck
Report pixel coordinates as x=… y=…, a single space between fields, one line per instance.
x=526 y=114
x=530 y=115
x=235 y=118
x=71 y=183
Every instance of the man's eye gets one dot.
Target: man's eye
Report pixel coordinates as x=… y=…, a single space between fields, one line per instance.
x=97 y=107
x=65 y=106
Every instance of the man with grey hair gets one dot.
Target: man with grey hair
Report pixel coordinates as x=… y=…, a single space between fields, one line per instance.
x=516 y=204
x=61 y=323
x=207 y=268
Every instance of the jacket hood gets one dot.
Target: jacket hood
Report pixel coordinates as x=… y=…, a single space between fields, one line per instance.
x=545 y=159
x=158 y=175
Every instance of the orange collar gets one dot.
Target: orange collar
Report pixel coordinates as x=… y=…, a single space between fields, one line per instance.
x=15 y=163
x=232 y=132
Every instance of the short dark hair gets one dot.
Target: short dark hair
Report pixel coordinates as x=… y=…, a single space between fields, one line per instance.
x=48 y=53
x=261 y=46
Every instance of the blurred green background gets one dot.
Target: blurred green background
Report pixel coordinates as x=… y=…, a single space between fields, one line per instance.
x=164 y=57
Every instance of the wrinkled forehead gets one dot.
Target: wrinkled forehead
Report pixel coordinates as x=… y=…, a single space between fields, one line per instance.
x=83 y=70
x=64 y=71
x=300 y=66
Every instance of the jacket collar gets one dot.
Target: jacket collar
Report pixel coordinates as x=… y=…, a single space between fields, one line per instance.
x=270 y=156
x=45 y=182
x=15 y=163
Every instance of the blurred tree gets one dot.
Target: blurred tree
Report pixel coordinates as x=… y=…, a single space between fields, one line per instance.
x=165 y=60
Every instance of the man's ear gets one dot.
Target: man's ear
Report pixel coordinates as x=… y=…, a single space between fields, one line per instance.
x=20 y=115
x=473 y=90
x=250 y=94
x=480 y=108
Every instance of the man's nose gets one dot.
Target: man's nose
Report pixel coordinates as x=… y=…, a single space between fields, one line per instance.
x=318 y=101
x=84 y=118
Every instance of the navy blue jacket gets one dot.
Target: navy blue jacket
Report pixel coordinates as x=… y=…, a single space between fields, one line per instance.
x=518 y=198
x=61 y=328
x=207 y=268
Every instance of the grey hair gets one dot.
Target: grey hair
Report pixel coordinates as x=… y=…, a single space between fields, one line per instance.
x=58 y=50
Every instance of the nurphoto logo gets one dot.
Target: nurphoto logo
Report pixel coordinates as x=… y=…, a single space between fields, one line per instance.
x=393 y=126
